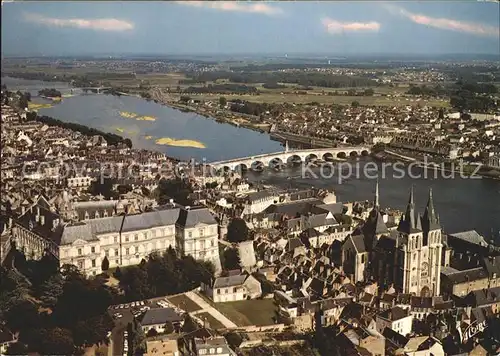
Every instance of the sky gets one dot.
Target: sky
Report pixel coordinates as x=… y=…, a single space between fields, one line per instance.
x=212 y=27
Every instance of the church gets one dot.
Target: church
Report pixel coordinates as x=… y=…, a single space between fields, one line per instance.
x=407 y=256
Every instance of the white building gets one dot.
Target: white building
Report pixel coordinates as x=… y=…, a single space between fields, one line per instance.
x=197 y=235
x=123 y=240
x=233 y=288
x=259 y=201
x=397 y=319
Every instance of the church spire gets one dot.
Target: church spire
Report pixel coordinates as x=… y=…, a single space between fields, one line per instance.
x=376 y=203
x=410 y=211
x=430 y=213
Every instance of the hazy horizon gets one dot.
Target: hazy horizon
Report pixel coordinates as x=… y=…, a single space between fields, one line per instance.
x=198 y=28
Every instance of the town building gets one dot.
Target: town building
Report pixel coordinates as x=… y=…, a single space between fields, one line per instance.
x=123 y=240
x=233 y=288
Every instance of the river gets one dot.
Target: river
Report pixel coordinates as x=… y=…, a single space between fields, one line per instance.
x=462 y=204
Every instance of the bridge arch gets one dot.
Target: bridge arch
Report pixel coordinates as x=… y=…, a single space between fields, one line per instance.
x=342 y=155
x=328 y=156
x=241 y=168
x=353 y=154
x=257 y=165
x=294 y=160
x=365 y=153
x=310 y=157
x=274 y=162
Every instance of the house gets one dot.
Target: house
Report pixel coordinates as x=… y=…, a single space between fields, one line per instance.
x=161 y=346
x=233 y=288
x=423 y=346
x=161 y=319
x=213 y=346
x=397 y=319
x=259 y=201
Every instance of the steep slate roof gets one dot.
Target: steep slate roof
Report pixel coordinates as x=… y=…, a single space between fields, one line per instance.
x=193 y=217
x=231 y=281
x=359 y=243
x=470 y=236
x=89 y=229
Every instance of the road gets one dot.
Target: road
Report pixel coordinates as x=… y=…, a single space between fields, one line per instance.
x=210 y=309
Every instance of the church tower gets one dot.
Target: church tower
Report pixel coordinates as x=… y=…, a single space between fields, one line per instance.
x=420 y=245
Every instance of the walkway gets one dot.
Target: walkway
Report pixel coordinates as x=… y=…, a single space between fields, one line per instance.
x=210 y=309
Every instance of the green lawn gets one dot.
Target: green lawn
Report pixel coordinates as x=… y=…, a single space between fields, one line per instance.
x=183 y=302
x=258 y=312
x=212 y=323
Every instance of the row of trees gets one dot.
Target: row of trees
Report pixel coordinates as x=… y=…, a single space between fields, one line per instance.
x=163 y=274
x=50 y=93
x=111 y=139
x=75 y=308
x=474 y=97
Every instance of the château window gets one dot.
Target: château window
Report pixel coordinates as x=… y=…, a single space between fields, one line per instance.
x=116 y=239
x=213 y=243
x=202 y=232
x=126 y=238
x=136 y=249
x=190 y=234
x=93 y=263
x=127 y=251
x=92 y=249
x=136 y=237
x=79 y=252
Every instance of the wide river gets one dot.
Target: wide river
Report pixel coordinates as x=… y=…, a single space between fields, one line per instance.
x=462 y=204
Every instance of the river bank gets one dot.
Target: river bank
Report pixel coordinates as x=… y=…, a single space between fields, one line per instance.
x=460 y=168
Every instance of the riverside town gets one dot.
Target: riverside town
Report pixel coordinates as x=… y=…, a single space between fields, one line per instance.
x=208 y=178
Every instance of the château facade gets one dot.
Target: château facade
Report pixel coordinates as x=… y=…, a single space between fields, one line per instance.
x=123 y=240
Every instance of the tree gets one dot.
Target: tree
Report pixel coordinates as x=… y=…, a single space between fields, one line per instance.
x=369 y=92
x=118 y=273
x=23 y=316
x=237 y=231
x=355 y=104
x=51 y=290
x=56 y=341
x=231 y=259
x=222 y=101
x=105 y=263
x=152 y=332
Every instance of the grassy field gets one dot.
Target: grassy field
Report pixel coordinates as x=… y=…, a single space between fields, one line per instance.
x=211 y=321
x=249 y=312
x=183 y=302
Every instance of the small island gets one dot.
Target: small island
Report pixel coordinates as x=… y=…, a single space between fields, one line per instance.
x=179 y=143
x=50 y=93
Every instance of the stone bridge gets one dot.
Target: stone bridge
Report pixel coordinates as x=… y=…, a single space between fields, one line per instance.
x=289 y=156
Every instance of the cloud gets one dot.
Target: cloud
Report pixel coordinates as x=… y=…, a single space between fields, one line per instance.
x=446 y=24
x=333 y=26
x=108 y=24
x=256 y=8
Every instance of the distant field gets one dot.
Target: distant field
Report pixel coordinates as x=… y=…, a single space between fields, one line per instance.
x=324 y=99
x=249 y=312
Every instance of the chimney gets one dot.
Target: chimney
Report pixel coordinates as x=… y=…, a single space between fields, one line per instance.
x=23 y=210
x=55 y=222
x=42 y=220
x=10 y=222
